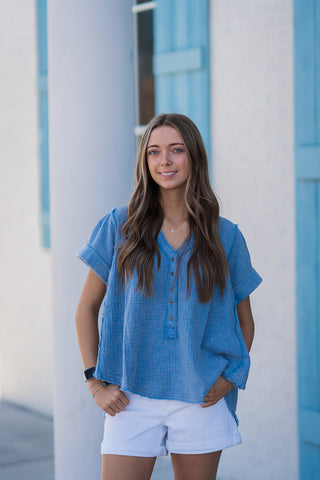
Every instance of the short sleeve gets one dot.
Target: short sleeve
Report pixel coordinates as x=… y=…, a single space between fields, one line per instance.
x=244 y=277
x=98 y=252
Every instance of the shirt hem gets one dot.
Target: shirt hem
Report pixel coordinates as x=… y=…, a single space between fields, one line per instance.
x=144 y=393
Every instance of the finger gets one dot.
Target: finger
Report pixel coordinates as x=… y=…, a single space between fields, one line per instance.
x=120 y=400
x=121 y=405
x=212 y=390
x=110 y=411
x=211 y=394
x=212 y=399
x=209 y=398
x=116 y=407
x=124 y=399
x=215 y=394
x=207 y=404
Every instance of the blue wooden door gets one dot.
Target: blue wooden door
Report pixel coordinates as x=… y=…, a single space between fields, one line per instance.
x=181 y=61
x=307 y=162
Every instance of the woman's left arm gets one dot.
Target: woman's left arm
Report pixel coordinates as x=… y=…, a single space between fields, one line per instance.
x=246 y=321
x=223 y=386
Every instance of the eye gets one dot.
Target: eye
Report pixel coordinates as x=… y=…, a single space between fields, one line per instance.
x=152 y=152
x=178 y=150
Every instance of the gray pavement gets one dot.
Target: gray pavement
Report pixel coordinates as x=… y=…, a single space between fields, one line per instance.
x=26 y=444
x=26 y=447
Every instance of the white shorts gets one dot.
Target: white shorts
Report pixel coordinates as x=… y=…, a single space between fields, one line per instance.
x=150 y=428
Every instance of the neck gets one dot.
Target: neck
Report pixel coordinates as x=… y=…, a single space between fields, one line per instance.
x=173 y=207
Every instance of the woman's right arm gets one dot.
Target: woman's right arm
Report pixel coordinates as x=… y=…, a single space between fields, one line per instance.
x=109 y=398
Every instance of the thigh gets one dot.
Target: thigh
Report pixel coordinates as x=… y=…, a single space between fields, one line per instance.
x=124 y=467
x=202 y=466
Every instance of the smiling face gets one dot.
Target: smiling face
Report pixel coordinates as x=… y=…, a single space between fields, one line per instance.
x=167 y=159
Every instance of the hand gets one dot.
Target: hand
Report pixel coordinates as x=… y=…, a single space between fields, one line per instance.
x=217 y=391
x=110 y=398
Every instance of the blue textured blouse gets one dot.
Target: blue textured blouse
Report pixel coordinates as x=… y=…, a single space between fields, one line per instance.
x=170 y=346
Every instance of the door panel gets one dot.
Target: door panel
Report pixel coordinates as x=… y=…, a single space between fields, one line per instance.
x=307 y=163
x=181 y=61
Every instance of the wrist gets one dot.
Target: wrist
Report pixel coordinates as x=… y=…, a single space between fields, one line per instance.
x=93 y=385
x=231 y=385
x=98 y=388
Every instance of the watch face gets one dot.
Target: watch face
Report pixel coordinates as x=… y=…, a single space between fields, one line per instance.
x=89 y=373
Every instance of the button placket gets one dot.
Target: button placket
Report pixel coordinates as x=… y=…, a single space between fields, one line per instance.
x=171 y=330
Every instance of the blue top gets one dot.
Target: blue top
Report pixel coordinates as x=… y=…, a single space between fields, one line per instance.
x=170 y=346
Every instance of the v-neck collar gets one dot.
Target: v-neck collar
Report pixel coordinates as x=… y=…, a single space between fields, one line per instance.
x=169 y=250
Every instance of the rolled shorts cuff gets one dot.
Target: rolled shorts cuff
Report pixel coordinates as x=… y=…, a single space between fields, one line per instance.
x=160 y=452
x=205 y=448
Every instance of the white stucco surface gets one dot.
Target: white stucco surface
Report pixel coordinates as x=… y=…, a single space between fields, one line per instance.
x=92 y=151
x=25 y=279
x=253 y=169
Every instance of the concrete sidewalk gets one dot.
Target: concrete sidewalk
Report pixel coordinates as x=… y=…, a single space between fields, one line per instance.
x=26 y=447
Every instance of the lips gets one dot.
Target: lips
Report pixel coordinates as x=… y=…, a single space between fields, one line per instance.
x=168 y=174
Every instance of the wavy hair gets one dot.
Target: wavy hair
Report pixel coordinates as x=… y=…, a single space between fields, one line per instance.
x=145 y=216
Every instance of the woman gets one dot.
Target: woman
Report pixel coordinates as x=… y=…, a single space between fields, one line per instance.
x=177 y=325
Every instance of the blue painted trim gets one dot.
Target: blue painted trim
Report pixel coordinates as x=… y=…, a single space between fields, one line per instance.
x=307 y=171
x=43 y=121
x=304 y=47
x=178 y=61
x=43 y=84
x=308 y=162
x=309 y=426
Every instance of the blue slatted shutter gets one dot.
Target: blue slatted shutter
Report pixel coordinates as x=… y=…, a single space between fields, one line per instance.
x=43 y=120
x=181 y=61
x=307 y=161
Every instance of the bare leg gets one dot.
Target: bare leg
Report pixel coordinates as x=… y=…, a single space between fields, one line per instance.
x=202 y=466
x=125 y=467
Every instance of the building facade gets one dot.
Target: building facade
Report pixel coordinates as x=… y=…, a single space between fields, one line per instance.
x=234 y=68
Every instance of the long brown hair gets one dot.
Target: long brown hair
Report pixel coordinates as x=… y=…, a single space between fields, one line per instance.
x=145 y=217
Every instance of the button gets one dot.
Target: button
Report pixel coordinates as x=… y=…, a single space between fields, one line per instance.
x=171 y=273
x=171 y=289
x=172 y=258
x=171 y=302
x=170 y=317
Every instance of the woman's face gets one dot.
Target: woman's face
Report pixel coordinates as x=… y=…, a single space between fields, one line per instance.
x=167 y=158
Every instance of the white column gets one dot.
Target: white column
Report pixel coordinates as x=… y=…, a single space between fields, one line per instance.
x=91 y=124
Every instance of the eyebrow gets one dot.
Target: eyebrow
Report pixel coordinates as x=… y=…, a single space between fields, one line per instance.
x=171 y=145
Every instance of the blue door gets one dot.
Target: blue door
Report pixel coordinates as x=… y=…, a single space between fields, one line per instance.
x=181 y=61
x=307 y=163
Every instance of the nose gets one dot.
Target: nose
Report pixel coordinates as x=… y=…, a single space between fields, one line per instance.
x=165 y=158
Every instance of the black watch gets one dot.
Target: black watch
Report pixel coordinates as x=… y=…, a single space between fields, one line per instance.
x=88 y=374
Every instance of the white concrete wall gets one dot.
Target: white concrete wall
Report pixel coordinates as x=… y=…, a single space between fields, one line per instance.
x=25 y=278
x=92 y=147
x=253 y=168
